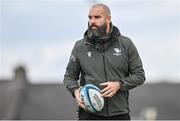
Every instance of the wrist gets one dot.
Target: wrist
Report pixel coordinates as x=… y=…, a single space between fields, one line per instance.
x=119 y=85
x=73 y=91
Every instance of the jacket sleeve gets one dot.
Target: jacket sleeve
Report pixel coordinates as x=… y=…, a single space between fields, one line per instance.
x=72 y=72
x=136 y=75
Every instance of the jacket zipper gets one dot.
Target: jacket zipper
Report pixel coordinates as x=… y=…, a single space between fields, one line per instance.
x=103 y=53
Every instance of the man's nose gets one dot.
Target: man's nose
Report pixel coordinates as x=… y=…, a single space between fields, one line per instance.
x=92 y=21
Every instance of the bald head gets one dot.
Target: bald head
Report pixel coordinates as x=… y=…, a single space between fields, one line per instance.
x=99 y=15
x=105 y=8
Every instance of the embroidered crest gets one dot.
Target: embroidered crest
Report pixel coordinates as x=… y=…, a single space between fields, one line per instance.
x=117 y=52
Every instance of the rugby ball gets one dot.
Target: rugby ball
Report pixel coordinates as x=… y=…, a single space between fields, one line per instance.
x=91 y=96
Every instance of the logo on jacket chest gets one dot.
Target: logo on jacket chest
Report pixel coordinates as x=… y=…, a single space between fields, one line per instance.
x=89 y=53
x=117 y=52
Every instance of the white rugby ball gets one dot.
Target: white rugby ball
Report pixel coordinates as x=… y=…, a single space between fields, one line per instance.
x=92 y=98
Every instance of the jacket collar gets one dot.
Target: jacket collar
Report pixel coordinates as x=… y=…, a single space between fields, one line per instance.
x=111 y=36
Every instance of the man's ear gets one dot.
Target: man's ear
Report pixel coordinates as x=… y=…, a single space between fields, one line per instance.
x=108 y=19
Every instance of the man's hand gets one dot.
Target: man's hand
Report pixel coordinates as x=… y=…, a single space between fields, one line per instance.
x=78 y=98
x=110 y=88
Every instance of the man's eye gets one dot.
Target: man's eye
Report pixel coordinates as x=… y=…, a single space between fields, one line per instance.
x=89 y=17
x=97 y=17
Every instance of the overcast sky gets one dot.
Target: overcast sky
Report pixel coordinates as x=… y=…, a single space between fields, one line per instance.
x=41 y=33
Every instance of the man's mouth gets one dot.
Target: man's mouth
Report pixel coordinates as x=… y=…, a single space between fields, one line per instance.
x=94 y=27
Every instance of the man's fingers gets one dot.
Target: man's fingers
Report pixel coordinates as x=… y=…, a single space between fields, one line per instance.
x=81 y=105
x=106 y=93
x=78 y=96
x=104 y=84
x=105 y=89
x=109 y=95
x=79 y=100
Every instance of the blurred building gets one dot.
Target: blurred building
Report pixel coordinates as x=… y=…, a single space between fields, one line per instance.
x=20 y=99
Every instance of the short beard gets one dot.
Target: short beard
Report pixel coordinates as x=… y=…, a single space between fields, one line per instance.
x=98 y=32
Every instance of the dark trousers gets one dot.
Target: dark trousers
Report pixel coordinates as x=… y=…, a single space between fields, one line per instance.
x=88 y=116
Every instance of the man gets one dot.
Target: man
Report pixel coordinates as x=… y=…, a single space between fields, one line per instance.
x=108 y=60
